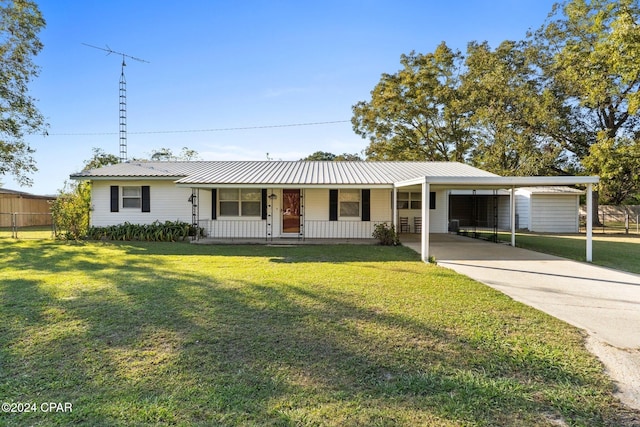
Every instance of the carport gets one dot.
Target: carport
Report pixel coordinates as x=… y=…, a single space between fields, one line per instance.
x=428 y=184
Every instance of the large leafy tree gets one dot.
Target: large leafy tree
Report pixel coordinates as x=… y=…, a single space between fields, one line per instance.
x=539 y=106
x=589 y=56
x=506 y=111
x=20 y=23
x=417 y=113
x=617 y=162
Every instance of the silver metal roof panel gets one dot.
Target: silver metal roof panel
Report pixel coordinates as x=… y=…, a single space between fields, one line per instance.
x=284 y=172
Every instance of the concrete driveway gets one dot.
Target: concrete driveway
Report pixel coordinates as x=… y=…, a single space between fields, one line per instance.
x=603 y=302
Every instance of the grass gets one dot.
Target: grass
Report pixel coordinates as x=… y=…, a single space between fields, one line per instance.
x=28 y=232
x=620 y=252
x=179 y=334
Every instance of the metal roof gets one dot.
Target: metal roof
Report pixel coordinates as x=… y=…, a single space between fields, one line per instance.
x=563 y=190
x=284 y=172
x=26 y=195
x=141 y=170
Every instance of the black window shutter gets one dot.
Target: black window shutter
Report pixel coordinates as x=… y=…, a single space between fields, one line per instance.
x=333 y=205
x=264 y=203
x=366 y=205
x=115 y=198
x=432 y=200
x=214 y=203
x=146 y=199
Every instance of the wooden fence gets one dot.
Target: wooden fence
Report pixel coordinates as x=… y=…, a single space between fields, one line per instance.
x=615 y=219
x=24 y=210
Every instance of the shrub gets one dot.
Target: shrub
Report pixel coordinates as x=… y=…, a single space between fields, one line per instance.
x=386 y=234
x=168 y=231
x=70 y=210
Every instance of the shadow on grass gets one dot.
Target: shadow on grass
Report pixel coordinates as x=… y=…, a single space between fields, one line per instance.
x=146 y=341
x=617 y=254
x=55 y=256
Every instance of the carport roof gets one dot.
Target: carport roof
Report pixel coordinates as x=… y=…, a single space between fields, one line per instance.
x=498 y=182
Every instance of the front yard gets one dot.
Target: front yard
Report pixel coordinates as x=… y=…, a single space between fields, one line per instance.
x=617 y=251
x=179 y=334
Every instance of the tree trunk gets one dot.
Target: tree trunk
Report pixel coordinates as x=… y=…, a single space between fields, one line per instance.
x=595 y=217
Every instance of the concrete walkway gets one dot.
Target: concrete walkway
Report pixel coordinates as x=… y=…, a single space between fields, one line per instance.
x=603 y=302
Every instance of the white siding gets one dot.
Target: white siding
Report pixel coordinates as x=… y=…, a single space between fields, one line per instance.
x=523 y=209
x=168 y=203
x=316 y=216
x=504 y=213
x=439 y=217
x=316 y=204
x=381 y=205
x=554 y=213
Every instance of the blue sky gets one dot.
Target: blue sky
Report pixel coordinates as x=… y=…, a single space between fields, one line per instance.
x=217 y=65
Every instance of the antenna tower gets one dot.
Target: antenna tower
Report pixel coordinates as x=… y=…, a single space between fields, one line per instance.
x=122 y=100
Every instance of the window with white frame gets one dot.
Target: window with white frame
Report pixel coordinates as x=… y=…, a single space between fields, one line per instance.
x=131 y=197
x=349 y=201
x=240 y=201
x=413 y=200
x=402 y=201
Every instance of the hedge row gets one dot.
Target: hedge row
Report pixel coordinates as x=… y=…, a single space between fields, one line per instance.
x=168 y=231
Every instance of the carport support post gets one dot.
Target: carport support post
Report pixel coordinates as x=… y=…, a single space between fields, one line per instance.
x=394 y=208
x=425 y=222
x=589 y=222
x=512 y=200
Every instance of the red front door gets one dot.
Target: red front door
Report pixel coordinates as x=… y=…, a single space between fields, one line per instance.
x=291 y=211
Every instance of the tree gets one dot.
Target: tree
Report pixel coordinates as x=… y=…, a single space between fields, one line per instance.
x=506 y=112
x=166 y=155
x=589 y=55
x=617 y=162
x=326 y=156
x=530 y=107
x=416 y=114
x=20 y=22
x=71 y=210
x=100 y=158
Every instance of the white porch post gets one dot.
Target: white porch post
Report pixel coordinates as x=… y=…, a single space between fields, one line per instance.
x=589 y=222
x=512 y=207
x=394 y=208
x=425 y=221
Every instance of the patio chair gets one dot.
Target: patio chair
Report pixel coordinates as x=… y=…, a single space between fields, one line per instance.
x=417 y=224
x=404 y=224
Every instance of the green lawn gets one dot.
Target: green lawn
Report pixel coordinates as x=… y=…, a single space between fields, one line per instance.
x=179 y=334
x=620 y=252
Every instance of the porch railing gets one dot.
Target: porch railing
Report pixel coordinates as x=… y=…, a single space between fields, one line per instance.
x=340 y=229
x=310 y=229
x=235 y=229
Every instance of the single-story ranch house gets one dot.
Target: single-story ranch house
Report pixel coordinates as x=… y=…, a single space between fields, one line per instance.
x=303 y=199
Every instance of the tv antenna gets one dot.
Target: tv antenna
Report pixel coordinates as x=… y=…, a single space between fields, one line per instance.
x=123 y=98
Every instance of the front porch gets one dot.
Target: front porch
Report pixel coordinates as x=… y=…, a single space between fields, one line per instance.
x=283 y=241
x=258 y=230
